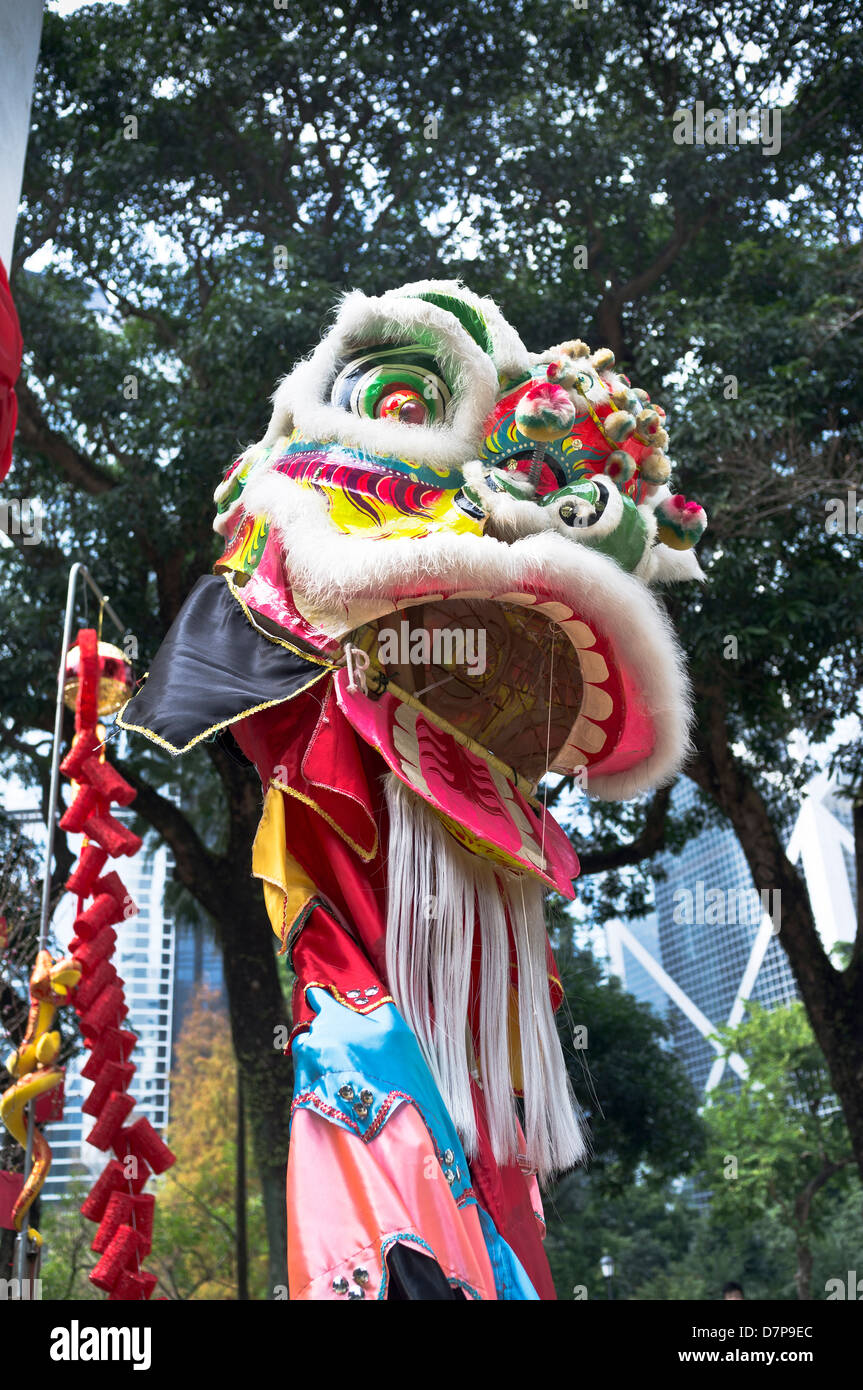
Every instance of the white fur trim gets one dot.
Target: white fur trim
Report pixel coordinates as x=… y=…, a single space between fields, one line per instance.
x=302 y=400
x=674 y=566
x=331 y=569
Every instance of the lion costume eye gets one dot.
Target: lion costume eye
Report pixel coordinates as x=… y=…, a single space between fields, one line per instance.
x=398 y=383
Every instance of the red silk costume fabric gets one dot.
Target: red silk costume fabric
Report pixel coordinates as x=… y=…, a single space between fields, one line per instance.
x=308 y=746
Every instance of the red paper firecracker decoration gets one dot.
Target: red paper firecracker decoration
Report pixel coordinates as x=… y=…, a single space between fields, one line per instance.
x=92 y=985
x=122 y=1255
x=115 y=1044
x=98 y=681
x=111 y=1179
x=107 y=1128
x=126 y=1209
x=134 y=1288
x=87 y=871
x=143 y=1143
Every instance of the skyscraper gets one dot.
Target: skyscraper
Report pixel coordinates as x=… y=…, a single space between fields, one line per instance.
x=711 y=943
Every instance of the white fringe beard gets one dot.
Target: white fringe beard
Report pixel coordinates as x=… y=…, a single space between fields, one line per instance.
x=437 y=892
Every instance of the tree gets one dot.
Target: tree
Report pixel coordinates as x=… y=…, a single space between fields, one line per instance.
x=644 y=1130
x=221 y=171
x=778 y=1137
x=66 y=1255
x=639 y=1104
x=199 y=1250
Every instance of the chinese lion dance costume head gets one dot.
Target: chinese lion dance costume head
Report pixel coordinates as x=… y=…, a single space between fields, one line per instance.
x=435 y=590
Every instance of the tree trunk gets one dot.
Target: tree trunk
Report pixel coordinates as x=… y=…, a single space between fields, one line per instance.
x=257 y=1009
x=803 y=1272
x=240 y=1223
x=833 y=999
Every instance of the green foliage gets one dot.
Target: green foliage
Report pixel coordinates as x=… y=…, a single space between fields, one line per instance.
x=637 y=1099
x=784 y=1131
x=195 y=1237
x=66 y=1257
x=778 y=1136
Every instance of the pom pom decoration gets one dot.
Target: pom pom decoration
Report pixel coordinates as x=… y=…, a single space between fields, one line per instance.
x=114 y=676
x=562 y=372
x=620 y=466
x=544 y=413
x=681 y=524
x=655 y=468
x=648 y=425
x=603 y=359
x=619 y=425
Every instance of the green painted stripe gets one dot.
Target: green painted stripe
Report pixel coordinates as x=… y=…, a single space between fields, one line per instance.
x=470 y=319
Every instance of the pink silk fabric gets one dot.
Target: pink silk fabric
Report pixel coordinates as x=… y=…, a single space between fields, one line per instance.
x=344 y=1194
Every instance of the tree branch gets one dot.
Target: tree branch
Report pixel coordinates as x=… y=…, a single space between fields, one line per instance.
x=34 y=432
x=650 y=841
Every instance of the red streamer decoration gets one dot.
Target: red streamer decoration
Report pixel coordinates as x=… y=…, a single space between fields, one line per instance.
x=116 y=1202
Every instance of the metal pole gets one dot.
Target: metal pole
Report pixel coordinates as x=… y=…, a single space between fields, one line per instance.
x=53 y=797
